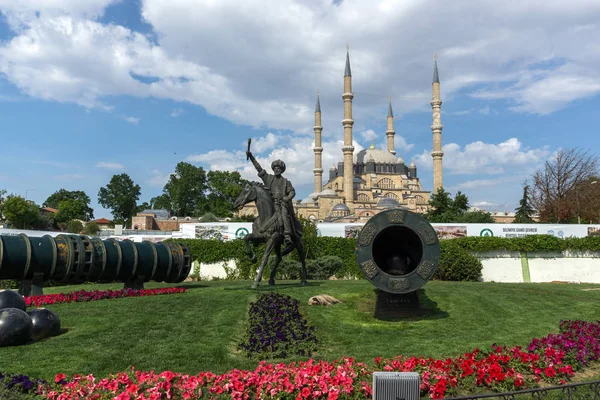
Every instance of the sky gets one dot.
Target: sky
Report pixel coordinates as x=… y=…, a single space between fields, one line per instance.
x=89 y=89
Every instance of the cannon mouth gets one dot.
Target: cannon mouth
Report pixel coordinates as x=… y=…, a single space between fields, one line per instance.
x=397 y=250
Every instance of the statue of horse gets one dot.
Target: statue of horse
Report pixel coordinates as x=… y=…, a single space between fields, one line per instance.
x=268 y=227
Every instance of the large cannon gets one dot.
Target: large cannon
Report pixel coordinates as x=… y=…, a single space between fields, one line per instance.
x=78 y=258
x=398 y=252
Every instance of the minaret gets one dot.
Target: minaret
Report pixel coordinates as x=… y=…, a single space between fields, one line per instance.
x=318 y=149
x=390 y=128
x=347 y=122
x=436 y=129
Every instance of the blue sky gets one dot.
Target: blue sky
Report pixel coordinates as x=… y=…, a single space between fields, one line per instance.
x=96 y=88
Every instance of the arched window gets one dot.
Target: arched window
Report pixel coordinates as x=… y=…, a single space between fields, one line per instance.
x=362 y=198
x=391 y=195
x=386 y=183
x=312 y=217
x=421 y=199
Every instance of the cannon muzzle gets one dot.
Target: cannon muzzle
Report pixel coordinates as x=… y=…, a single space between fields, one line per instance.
x=397 y=251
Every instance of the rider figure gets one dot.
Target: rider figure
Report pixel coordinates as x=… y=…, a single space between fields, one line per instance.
x=281 y=191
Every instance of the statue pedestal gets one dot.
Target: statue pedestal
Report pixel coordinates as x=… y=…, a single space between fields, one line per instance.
x=392 y=306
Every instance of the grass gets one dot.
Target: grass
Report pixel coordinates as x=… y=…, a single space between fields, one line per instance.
x=198 y=331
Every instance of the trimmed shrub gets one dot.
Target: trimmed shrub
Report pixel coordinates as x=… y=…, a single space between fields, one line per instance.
x=323 y=267
x=457 y=264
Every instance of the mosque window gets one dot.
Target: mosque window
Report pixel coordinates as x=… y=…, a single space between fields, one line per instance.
x=386 y=183
x=391 y=196
x=361 y=198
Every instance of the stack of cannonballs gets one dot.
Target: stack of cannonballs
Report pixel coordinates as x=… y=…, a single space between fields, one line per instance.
x=19 y=327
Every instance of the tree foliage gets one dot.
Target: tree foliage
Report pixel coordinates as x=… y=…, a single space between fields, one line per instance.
x=2 y=199
x=120 y=196
x=76 y=205
x=184 y=193
x=445 y=209
x=21 y=214
x=524 y=213
x=562 y=189
x=223 y=188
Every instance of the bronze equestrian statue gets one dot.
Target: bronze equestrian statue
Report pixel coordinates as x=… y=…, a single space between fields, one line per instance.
x=276 y=223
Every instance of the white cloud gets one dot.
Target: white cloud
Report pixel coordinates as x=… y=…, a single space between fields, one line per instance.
x=68 y=177
x=264 y=143
x=368 y=135
x=109 y=165
x=177 y=112
x=64 y=54
x=485 y=158
x=132 y=120
x=158 y=179
x=296 y=152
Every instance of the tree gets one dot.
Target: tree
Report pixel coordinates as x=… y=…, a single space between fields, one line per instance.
x=120 y=196
x=445 y=209
x=141 y=207
x=77 y=202
x=525 y=211
x=2 y=193
x=475 y=217
x=223 y=188
x=558 y=186
x=20 y=213
x=183 y=194
x=208 y=217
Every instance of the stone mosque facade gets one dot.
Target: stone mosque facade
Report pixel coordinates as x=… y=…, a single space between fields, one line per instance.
x=371 y=180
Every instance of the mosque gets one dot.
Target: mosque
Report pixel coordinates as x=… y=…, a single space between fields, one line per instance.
x=371 y=180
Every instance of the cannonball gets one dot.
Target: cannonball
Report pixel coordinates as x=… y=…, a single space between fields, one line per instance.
x=11 y=299
x=15 y=327
x=45 y=323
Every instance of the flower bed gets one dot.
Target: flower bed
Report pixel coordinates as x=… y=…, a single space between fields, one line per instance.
x=19 y=383
x=84 y=295
x=551 y=359
x=277 y=329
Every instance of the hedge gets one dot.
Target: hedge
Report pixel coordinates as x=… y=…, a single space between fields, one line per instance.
x=454 y=264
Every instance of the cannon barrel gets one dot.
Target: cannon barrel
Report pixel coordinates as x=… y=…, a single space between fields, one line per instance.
x=397 y=251
x=78 y=258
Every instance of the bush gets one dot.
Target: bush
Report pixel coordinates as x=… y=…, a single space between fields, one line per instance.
x=324 y=267
x=288 y=268
x=92 y=228
x=457 y=264
x=8 y=284
x=74 y=226
x=208 y=217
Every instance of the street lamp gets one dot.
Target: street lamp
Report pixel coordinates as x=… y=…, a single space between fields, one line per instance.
x=579 y=208
x=27 y=190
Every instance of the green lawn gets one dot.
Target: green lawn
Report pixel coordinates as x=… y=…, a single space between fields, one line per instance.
x=199 y=330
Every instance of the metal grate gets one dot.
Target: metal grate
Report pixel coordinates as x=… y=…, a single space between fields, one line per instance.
x=396 y=386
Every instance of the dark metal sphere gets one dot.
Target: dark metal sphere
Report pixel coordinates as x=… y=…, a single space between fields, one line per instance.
x=11 y=299
x=45 y=323
x=15 y=327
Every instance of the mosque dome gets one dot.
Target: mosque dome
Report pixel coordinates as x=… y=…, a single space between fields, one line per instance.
x=328 y=192
x=400 y=160
x=388 y=202
x=340 y=207
x=314 y=195
x=379 y=156
x=308 y=200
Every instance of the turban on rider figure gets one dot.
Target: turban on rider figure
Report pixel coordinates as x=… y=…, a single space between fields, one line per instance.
x=282 y=193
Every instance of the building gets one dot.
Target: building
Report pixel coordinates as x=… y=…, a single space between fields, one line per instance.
x=371 y=180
